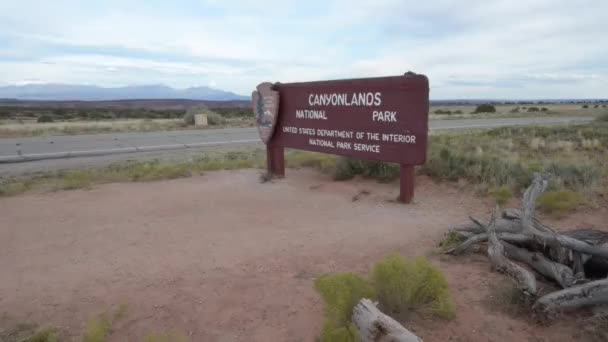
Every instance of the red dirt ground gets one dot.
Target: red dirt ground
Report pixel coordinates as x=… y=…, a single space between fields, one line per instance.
x=222 y=257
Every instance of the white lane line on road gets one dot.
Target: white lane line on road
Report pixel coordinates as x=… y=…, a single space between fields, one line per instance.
x=503 y=124
x=71 y=154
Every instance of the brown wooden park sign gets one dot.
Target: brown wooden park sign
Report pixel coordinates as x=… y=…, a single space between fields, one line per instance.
x=383 y=119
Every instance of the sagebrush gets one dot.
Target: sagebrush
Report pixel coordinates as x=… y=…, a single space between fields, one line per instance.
x=412 y=285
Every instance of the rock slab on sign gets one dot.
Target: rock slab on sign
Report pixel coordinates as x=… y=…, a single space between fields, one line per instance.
x=266 y=109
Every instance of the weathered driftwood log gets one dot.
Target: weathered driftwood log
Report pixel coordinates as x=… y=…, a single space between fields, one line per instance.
x=374 y=326
x=550 y=238
x=560 y=273
x=509 y=237
x=591 y=236
x=578 y=267
x=538 y=186
x=502 y=226
x=496 y=252
x=592 y=293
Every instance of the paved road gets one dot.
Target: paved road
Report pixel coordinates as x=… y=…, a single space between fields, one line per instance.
x=57 y=150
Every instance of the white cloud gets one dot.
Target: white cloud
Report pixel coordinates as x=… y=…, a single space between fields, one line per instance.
x=469 y=48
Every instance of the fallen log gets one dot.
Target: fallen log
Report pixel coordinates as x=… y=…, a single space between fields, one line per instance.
x=592 y=293
x=562 y=274
x=502 y=226
x=496 y=252
x=509 y=237
x=550 y=238
x=578 y=267
x=374 y=326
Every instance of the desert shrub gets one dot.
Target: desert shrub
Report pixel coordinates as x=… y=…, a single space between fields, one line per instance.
x=544 y=109
x=101 y=115
x=596 y=106
x=449 y=164
x=603 y=106
x=11 y=188
x=514 y=110
x=77 y=180
x=485 y=108
x=214 y=119
x=533 y=109
x=341 y=292
x=32 y=334
x=412 y=285
x=243 y=112
x=444 y=112
x=384 y=172
x=45 y=118
x=559 y=202
x=573 y=176
x=97 y=330
x=189 y=115
x=452 y=239
x=585 y=106
x=458 y=111
x=502 y=194
x=347 y=168
x=321 y=161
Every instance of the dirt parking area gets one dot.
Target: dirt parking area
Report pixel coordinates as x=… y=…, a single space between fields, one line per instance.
x=223 y=257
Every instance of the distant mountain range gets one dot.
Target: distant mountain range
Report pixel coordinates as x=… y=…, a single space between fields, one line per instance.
x=70 y=92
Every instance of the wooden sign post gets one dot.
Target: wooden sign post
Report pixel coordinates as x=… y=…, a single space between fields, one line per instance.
x=383 y=119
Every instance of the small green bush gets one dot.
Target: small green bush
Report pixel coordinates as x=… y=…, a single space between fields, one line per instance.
x=412 y=285
x=544 y=109
x=585 y=106
x=502 y=194
x=43 y=335
x=97 y=330
x=452 y=239
x=596 y=106
x=214 y=119
x=45 y=118
x=559 y=202
x=485 y=108
x=458 y=111
x=533 y=109
x=347 y=168
x=341 y=292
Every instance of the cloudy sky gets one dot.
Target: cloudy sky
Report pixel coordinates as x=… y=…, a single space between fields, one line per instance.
x=468 y=48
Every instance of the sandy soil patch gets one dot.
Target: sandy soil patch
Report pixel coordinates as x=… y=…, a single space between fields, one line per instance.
x=222 y=257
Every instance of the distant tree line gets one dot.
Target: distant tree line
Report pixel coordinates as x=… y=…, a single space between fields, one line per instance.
x=101 y=113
